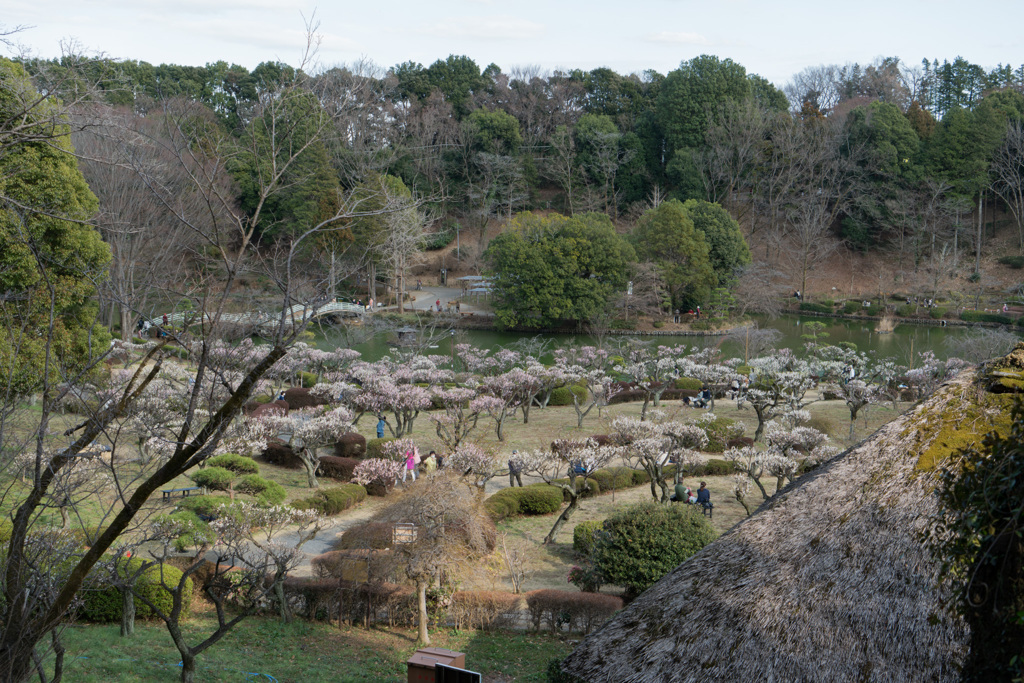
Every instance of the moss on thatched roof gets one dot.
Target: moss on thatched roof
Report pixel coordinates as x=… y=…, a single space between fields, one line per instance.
x=829 y=581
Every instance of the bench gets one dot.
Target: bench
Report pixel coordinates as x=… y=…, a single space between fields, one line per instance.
x=185 y=491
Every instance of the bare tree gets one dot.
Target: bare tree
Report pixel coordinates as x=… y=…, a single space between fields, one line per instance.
x=1008 y=169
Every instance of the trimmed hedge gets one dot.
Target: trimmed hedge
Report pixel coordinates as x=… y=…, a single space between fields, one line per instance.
x=281 y=454
x=851 y=307
x=239 y=464
x=583 y=536
x=613 y=478
x=814 y=308
x=307 y=379
x=691 y=383
x=334 y=500
x=374 y=446
x=906 y=311
x=350 y=445
x=265 y=491
x=338 y=468
x=536 y=499
x=937 y=313
x=579 y=611
x=982 y=317
x=562 y=396
x=101 y=602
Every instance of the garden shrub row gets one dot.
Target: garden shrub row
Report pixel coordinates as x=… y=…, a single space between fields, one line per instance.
x=815 y=308
x=689 y=383
x=101 y=601
x=334 y=500
x=281 y=454
x=536 y=499
x=983 y=317
x=206 y=507
x=485 y=610
x=572 y=610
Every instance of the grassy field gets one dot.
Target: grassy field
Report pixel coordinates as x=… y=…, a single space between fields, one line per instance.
x=265 y=649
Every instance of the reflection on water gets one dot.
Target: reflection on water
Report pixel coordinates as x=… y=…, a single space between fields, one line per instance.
x=897 y=344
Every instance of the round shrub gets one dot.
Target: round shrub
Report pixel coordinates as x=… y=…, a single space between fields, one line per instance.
x=937 y=313
x=338 y=468
x=281 y=454
x=541 y=499
x=213 y=478
x=300 y=397
x=198 y=533
x=719 y=432
x=583 y=537
x=307 y=379
x=374 y=448
x=536 y=499
x=239 y=464
x=265 y=491
x=206 y=507
x=639 y=545
x=350 y=445
x=690 y=383
x=562 y=396
x=101 y=602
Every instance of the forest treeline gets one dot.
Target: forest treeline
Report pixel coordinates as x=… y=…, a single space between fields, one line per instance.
x=923 y=162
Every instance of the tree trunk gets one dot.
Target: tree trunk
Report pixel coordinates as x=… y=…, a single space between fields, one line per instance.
x=311 y=464
x=574 y=502
x=285 y=608
x=127 y=612
x=421 y=598
x=188 y=667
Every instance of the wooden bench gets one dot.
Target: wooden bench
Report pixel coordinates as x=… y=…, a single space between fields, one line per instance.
x=185 y=491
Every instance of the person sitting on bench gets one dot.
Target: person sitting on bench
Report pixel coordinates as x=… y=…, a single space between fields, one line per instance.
x=682 y=494
x=704 y=497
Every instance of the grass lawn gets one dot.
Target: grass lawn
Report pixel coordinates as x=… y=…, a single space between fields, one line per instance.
x=264 y=649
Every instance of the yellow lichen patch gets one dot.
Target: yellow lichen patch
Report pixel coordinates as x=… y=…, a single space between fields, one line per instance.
x=962 y=425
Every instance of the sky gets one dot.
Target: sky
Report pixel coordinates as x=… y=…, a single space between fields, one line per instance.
x=773 y=39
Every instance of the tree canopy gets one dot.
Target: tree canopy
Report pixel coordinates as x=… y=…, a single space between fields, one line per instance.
x=667 y=237
x=553 y=270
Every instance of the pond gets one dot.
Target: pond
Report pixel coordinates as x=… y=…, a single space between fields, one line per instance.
x=899 y=344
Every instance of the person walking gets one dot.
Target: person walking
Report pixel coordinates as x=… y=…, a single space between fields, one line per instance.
x=515 y=470
x=382 y=422
x=410 y=465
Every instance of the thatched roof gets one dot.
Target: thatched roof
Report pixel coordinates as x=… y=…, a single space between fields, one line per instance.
x=829 y=581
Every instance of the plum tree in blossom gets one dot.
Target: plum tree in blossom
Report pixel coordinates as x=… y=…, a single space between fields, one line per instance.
x=580 y=458
x=309 y=430
x=500 y=396
x=458 y=419
x=650 y=371
x=475 y=464
x=377 y=471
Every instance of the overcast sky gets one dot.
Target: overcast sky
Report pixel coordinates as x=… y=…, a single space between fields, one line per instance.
x=773 y=39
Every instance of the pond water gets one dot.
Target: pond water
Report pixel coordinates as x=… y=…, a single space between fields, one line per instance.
x=899 y=344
